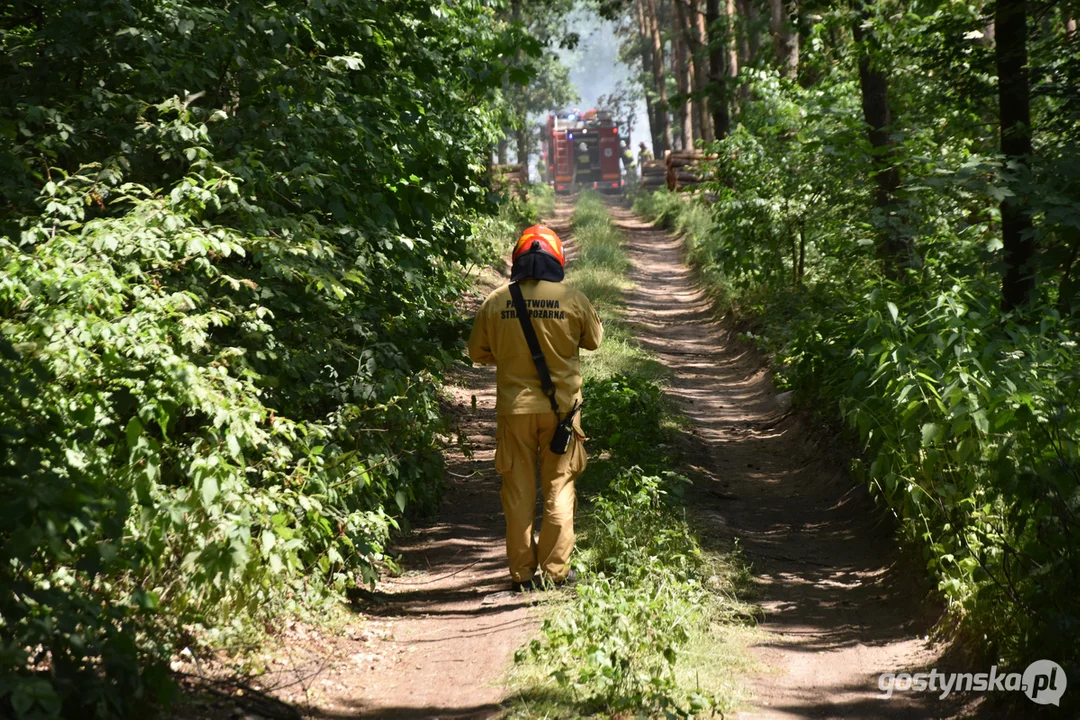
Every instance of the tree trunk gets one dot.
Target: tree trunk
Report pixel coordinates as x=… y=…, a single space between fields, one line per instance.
x=646 y=69
x=749 y=40
x=1010 y=21
x=732 y=65
x=700 y=36
x=697 y=104
x=751 y=20
x=785 y=39
x=523 y=144
x=718 y=94
x=743 y=32
x=731 y=41
x=659 y=79
x=517 y=96
x=683 y=69
x=801 y=272
x=650 y=111
x=875 y=104
x=693 y=47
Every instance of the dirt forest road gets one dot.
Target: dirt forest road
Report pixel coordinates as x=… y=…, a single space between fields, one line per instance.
x=838 y=608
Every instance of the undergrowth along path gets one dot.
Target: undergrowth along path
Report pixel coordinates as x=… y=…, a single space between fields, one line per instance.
x=839 y=606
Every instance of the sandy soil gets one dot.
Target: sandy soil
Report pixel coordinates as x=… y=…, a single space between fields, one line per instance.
x=839 y=607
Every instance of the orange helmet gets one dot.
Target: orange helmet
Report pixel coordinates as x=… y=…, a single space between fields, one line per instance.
x=540 y=238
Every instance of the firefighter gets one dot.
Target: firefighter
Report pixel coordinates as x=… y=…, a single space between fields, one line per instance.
x=628 y=157
x=643 y=153
x=583 y=155
x=564 y=321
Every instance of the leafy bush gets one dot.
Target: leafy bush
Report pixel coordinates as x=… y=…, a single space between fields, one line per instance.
x=232 y=232
x=618 y=646
x=493 y=235
x=972 y=438
x=626 y=416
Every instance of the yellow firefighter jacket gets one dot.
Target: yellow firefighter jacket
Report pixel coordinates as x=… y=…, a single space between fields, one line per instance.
x=564 y=319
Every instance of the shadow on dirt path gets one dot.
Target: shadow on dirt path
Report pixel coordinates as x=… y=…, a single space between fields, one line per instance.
x=451 y=622
x=838 y=607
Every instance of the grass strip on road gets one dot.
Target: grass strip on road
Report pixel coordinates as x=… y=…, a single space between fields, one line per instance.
x=599 y=269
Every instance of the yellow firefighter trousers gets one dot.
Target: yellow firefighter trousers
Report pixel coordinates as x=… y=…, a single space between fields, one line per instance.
x=523 y=441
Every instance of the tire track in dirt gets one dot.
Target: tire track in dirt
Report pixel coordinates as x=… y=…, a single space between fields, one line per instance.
x=838 y=607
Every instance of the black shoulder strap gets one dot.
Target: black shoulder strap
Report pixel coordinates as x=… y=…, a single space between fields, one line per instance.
x=525 y=319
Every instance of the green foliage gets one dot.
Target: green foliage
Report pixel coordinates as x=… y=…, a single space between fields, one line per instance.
x=494 y=235
x=972 y=434
x=626 y=423
x=618 y=647
x=967 y=416
x=233 y=232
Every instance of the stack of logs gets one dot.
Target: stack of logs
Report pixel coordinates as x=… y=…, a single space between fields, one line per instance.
x=683 y=169
x=653 y=175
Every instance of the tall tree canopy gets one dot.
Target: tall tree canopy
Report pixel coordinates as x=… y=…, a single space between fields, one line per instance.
x=230 y=230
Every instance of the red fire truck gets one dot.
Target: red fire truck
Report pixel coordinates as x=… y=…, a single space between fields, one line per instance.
x=583 y=151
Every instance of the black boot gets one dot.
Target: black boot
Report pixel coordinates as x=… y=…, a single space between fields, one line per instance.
x=525 y=585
